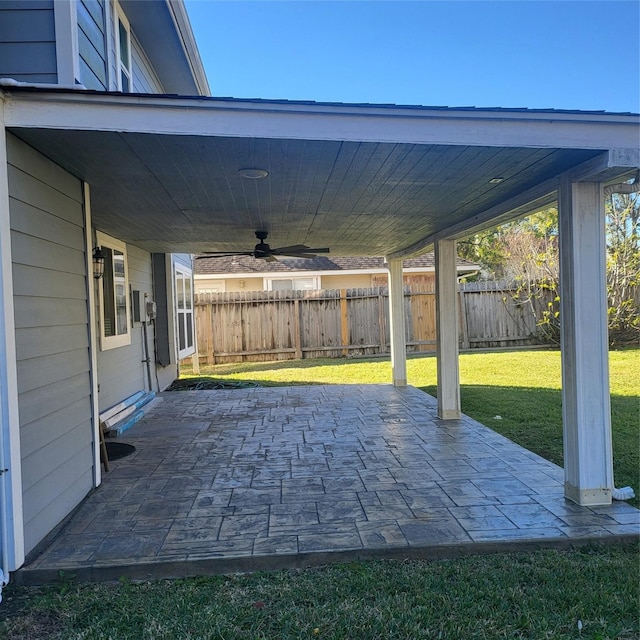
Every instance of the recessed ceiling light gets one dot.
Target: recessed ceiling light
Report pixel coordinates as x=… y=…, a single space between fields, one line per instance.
x=253 y=174
x=496 y=180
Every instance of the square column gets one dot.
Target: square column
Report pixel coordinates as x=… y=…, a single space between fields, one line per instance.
x=447 y=330
x=586 y=411
x=396 y=323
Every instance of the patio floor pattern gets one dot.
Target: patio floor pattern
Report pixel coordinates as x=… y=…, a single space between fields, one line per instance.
x=259 y=478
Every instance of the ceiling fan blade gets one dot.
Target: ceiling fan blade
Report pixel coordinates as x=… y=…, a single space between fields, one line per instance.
x=305 y=255
x=294 y=248
x=321 y=250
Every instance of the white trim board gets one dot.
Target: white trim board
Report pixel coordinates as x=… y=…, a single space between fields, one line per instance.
x=187 y=116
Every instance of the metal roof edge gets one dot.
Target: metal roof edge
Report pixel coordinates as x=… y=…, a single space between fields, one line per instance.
x=36 y=88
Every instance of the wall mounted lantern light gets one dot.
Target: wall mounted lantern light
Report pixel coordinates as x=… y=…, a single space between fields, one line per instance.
x=98 y=263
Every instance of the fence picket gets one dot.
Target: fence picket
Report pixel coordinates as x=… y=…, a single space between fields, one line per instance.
x=268 y=325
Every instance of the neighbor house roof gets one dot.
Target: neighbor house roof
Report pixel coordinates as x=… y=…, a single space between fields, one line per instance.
x=248 y=265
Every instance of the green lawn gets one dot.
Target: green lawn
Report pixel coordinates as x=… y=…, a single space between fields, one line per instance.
x=521 y=387
x=589 y=593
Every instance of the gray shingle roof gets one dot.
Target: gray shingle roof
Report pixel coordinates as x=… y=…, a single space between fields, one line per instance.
x=248 y=264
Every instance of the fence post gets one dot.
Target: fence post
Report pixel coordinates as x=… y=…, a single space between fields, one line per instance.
x=381 y=325
x=296 y=329
x=344 y=322
x=464 y=325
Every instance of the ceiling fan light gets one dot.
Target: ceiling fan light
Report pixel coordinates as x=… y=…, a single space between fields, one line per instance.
x=253 y=173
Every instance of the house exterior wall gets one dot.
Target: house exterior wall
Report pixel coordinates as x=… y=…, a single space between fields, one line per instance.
x=380 y=279
x=145 y=79
x=52 y=338
x=327 y=281
x=120 y=372
x=92 y=29
x=229 y=284
x=346 y=281
x=27 y=41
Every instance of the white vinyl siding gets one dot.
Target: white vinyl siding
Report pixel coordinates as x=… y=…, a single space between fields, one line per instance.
x=27 y=41
x=52 y=345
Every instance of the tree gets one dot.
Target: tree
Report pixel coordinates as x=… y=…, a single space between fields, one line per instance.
x=525 y=254
x=623 y=267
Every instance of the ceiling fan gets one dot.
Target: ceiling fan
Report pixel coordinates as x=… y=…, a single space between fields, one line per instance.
x=264 y=252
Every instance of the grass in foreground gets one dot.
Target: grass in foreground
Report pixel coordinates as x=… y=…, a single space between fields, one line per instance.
x=516 y=393
x=591 y=593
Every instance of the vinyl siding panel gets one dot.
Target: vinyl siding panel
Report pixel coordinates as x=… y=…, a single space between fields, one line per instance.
x=92 y=45
x=35 y=436
x=145 y=79
x=43 y=341
x=70 y=478
x=27 y=41
x=50 y=302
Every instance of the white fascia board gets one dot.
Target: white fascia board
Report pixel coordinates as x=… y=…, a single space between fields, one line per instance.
x=236 y=118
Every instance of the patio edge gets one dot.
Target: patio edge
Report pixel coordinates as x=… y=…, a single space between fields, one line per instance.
x=176 y=569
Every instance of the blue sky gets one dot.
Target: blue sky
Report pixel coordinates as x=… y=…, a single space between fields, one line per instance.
x=576 y=54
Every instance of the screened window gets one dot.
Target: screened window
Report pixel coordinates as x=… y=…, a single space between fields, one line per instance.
x=184 y=308
x=115 y=311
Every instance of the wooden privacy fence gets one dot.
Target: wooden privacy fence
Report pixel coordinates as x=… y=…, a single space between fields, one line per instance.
x=279 y=325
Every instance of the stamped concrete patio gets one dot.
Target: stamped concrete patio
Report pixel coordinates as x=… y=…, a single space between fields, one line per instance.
x=262 y=478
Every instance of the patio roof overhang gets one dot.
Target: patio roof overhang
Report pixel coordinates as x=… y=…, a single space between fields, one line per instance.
x=360 y=179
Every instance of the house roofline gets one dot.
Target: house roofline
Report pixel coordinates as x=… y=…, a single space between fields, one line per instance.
x=363 y=108
x=183 y=26
x=333 y=272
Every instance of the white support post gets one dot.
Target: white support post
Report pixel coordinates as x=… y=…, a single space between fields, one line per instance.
x=11 y=519
x=447 y=330
x=93 y=334
x=588 y=457
x=396 y=324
